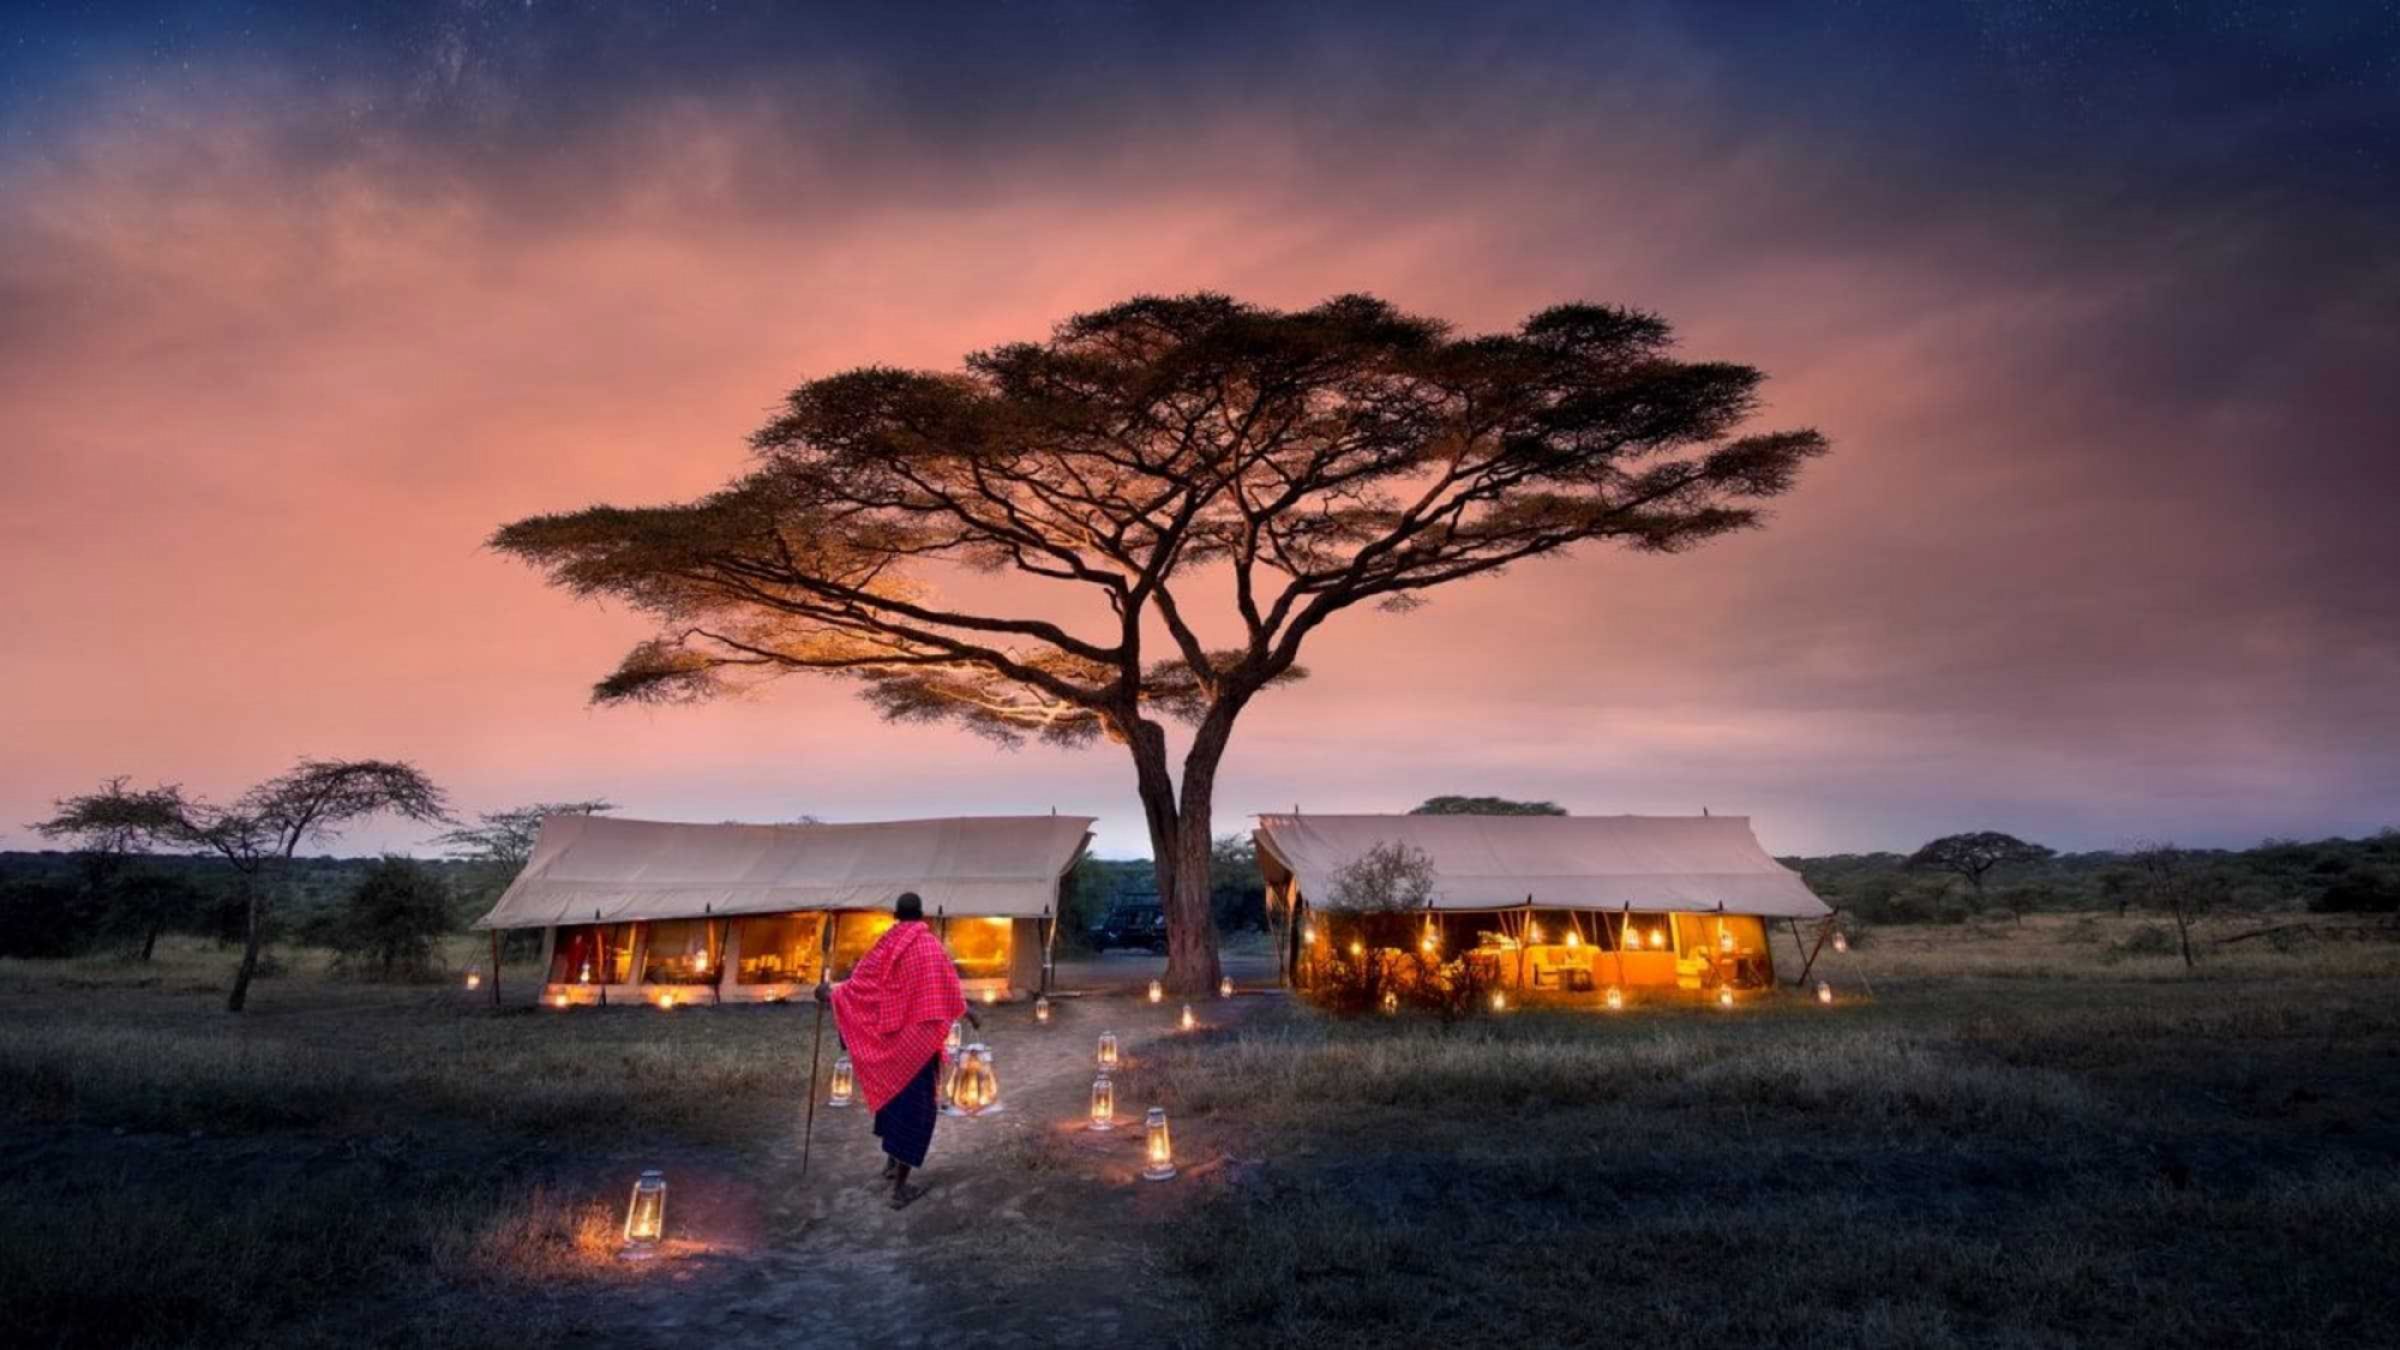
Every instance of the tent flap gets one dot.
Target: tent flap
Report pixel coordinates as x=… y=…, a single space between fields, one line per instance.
x=600 y=868
x=1560 y=862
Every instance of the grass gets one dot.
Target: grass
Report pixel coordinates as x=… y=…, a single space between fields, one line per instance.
x=2018 y=1142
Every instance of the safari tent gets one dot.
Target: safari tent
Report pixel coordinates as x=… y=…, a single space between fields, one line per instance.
x=643 y=909
x=1559 y=904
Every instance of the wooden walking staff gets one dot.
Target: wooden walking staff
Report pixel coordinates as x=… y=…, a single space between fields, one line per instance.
x=816 y=1054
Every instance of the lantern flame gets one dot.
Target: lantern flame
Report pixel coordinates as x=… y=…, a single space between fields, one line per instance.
x=1725 y=998
x=1824 y=992
x=1658 y=937
x=1574 y=939
x=1157 y=991
x=1188 y=1020
x=1499 y=1001
x=1391 y=1001
x=1615 y=999
x=646 y=1216
x=474 y=979
x=559 y=999
x=1107 y=1057
x=1225 y=987
x=845 y=1082
x=1841 y=942
x=1041 y=1008
x=1104 y=1103
x=990 y=997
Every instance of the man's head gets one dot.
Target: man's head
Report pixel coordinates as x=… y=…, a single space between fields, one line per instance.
x=909 y=906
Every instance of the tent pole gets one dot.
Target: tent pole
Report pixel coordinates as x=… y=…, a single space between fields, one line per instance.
x=1624 y=930
x=1525 y=945
x=1799 y=944
x=1822 y=934
x=495 y=967
x=1049 y=946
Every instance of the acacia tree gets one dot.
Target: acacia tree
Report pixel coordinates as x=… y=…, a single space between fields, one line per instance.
x=1484 y=806
x=260 y=832
x=111 y=827
x=1974 y=856
x=1144 y=460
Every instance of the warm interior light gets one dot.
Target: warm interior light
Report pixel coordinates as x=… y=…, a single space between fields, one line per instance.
x=1724 y=938
x=1357 y=948
x=1157 y=991
x=1824 y=992
x=1189 y=1021
x=559 y=999
x=845 y=1082
x=990 y=996
x=1615 y=999
x=1107 y=1058
x=1158 y=1148
x=1041 y=1008
x=1658 y=937
x=666 y=1000
x=1533 y=932
x=1104 y=1103
x=1725 y=997
x=1225 y=987
x=1574 y=938
x=1308 y=932
x=1499 y=1001
x=586 y=976
x=646 y=1216
x=1391 y=1001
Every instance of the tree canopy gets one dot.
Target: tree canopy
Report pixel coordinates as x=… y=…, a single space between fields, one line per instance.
x=1973 y=856
x=1142 y=461
x=1484 y=806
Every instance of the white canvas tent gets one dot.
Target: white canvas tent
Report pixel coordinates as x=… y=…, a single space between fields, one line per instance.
x=632 y=906
x=1646 y=899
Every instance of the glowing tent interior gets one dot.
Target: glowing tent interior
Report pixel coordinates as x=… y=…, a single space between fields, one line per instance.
x=1560 y=904
x=639 y=909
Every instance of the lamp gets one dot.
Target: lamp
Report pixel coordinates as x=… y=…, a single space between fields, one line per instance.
x=845 y=1082
x=1574 y=939
x=1615 y=999
x=1104 y=1103
x=975 y=1089
x=1658 y=937
x=1824 y=992
x=666 y=1000
x=1158 y=1147
x=1308 y=932
x=954 y=1040
x=1189 y=1021
x=646 y=1216
x=1724 y=938
x=1357 y=948
x=474 y=978
x=1499 y=1000
x=1157 y=991
x=1725 y=997
x=1107 y=1057
x=1041 y=1008
x=1225 y=987
x=559 y=999
x=1391 y=1001
x=1533 y=933
x=991 y=995
x=586 y=976
x=1841 y=941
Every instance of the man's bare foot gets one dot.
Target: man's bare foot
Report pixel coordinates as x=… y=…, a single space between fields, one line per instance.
x=891 y=1167
x=904 y=1195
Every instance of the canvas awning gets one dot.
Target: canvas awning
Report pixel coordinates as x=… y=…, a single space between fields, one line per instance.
x=1688 y=863
x=589 y=869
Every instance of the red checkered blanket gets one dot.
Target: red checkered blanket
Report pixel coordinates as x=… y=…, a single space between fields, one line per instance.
x=896 y=1008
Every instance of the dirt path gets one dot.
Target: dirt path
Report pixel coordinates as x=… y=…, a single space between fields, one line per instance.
x=1033 y=1230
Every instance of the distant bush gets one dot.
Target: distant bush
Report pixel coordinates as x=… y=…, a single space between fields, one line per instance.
x=390 y=926
x=2148 y=940
x=47 y=919
x=2362 y=890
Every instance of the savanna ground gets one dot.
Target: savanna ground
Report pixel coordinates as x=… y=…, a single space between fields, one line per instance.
x=2042 y=1134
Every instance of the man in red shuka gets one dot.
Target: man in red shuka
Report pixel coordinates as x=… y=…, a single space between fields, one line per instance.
x=893 y=1013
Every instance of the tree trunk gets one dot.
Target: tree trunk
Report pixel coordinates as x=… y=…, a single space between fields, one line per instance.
x=150 y=939
x=255 y=925
x=1179 y=841
x=2183 y=929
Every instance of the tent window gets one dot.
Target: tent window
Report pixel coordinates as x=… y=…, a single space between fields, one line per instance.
x=853 y=934
x=779 y=948
x=980 y=947
x=680 y=951
x=593 y=953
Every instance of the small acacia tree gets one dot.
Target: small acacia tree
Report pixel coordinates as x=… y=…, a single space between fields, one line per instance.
x=110 y=828
x=2173 y=880
x=1484 y=806
x=1144 y=458
x=1974 y=856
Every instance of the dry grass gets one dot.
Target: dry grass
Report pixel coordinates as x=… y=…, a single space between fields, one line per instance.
x=2021 y=1141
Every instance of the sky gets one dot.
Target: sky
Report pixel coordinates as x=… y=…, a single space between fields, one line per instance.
x=2098 y=304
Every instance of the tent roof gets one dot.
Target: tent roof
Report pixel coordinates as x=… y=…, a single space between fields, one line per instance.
x=1561 y=862
x=588 y=868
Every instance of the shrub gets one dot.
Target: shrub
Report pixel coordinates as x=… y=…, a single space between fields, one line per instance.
x=44 y=919
x=2148 y=940
x=2364 y=890
x=1384 y=900
x=390 y=925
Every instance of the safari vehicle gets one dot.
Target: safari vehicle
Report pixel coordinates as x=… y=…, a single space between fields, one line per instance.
x=1132 y=923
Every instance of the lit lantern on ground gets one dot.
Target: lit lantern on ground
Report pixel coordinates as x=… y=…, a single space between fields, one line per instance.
x=1104 y=1103
x=1391 y=1001
x=845 y=1082
x=1225 y=987
x=1158 y=1147
x=1841 y=941
x=1157 y=991
x=1189 y=1021
x=975 y=1088
x=1615 y=999
x=474 y=979
x=559 y=999
x=1499 y=1001
x=954 y=1040
x=1107 y=1058
x=666 y=1000
x=1824 y=992
x=1725 y=998
x=990 y=997
x=1041 y=1008
x=646 y=1216
x=1658 y=937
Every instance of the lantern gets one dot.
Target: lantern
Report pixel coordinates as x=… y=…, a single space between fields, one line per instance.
x=1391 y=1001
x=1499 y=1000
x=1041 y=1008
x=1658 y=937
x=1107 y=1058
x=1104 y=1103
x=1615 y=999
x=1574 y=939
x=975 y=1088
x=845 y=1082
x=1189 y=1021
x=1225 y=987
x=700 y=963
x=586 y=976
x=474 y=978
x=1724 y=938
x=1308 y=932
x=666 y=1000
x=1725 y=997
x=559 y=999
x=646 y=1216
x=1157 y=991
x=1357 y=948
x=991 y=996
x=1158 y=1148
x=1824 y=992
x=1841 y=941
x=1533 y=933
x=954 y=1040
